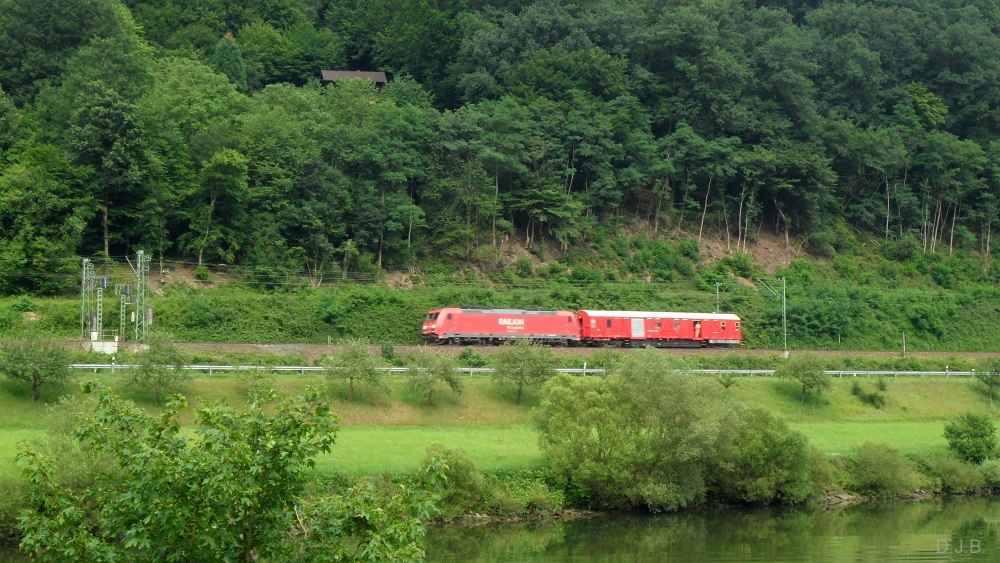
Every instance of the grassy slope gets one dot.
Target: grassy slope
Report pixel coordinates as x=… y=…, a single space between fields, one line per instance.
x=391 y=434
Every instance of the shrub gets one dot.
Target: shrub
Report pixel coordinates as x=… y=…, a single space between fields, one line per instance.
x=469 y=358
x=761 y=459
x=645 y=440
x=878 y=470
x=389 y=354
x=14 y=497
x=953 y=476
x=506 y=502
x=220 y=496
x=464 y=486
x=202 y=273
x=23 y=304
x=524 y=268
x=874 y=399
x=991 y=472
x=543 y=500
x=972 y=437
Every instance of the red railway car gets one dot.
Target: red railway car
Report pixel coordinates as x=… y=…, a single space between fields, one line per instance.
x=661 y=330
x=495 y=326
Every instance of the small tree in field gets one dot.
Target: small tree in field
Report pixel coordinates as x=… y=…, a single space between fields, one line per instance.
x=972 y=437
x=523 y=364
x=428 y=369
x=160 y=367
x=355 y=362
x=807 y=370
x=989 y=376
x=34 y=361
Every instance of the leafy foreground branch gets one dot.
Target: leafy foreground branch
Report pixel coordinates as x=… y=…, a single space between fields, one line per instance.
x=233 y=492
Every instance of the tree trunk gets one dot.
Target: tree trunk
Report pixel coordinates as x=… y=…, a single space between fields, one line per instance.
x=704 y=209
x=34 y=391
x=803 y=401
x=351 y=383
x=208 y=228
x=104 y=208
x=888 y=210
x=519 y=387
x=156 y=395
x=951 y=237
x=430 y=397
x=496 y=201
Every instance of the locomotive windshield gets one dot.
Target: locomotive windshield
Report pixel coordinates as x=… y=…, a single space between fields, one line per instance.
x=432 y=316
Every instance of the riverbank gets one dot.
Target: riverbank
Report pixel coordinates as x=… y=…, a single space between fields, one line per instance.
x=385 y=434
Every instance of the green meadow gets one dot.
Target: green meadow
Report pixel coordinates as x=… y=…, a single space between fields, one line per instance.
x=388 y=431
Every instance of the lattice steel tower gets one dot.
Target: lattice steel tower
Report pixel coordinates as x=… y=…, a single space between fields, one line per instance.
x=143 y=310
x=87 y=301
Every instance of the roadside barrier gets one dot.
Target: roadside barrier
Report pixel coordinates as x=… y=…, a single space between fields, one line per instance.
x=211 y=369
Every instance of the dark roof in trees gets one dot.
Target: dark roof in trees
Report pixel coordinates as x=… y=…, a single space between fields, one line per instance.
x=376 y=77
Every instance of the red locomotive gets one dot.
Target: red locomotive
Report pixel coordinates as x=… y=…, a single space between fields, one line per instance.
x=587 y=328
x=495 y=326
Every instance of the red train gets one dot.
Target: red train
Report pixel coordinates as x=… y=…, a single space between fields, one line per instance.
x=585 y=328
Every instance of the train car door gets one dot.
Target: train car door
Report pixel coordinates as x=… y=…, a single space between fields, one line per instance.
x=697 y=329
x=638 y=328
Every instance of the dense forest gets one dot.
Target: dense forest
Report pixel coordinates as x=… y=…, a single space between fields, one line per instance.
x=199 y=129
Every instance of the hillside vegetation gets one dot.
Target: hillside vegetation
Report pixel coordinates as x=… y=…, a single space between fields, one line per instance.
x=197 y=130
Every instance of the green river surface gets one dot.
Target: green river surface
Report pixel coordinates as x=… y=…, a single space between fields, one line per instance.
x=954 y=529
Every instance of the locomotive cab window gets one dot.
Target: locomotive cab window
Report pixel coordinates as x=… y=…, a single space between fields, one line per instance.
x=449 y=316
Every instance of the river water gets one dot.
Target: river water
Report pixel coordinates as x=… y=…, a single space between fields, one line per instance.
x=956 y=529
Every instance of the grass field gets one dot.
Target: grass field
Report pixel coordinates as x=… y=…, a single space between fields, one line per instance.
x=390 y=432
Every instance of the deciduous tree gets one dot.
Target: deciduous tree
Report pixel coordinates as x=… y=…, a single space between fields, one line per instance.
x=523 y=364
x=160 y=367
x=34 y=361
x=807 y=370
x=427 y=370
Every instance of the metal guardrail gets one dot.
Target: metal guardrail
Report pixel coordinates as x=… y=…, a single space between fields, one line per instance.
x=582 y=371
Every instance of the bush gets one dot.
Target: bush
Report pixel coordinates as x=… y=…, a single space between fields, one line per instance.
x=952 y=475
x=874 y=399
x=14 y=497
x=762 y=460
x=506 y=502
x=878 y=470
x=464 y=487
x=972 y=437
x=991 y=473
x=469 y=358
x=524 y=268
x=202 y=273
x=658 y=426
